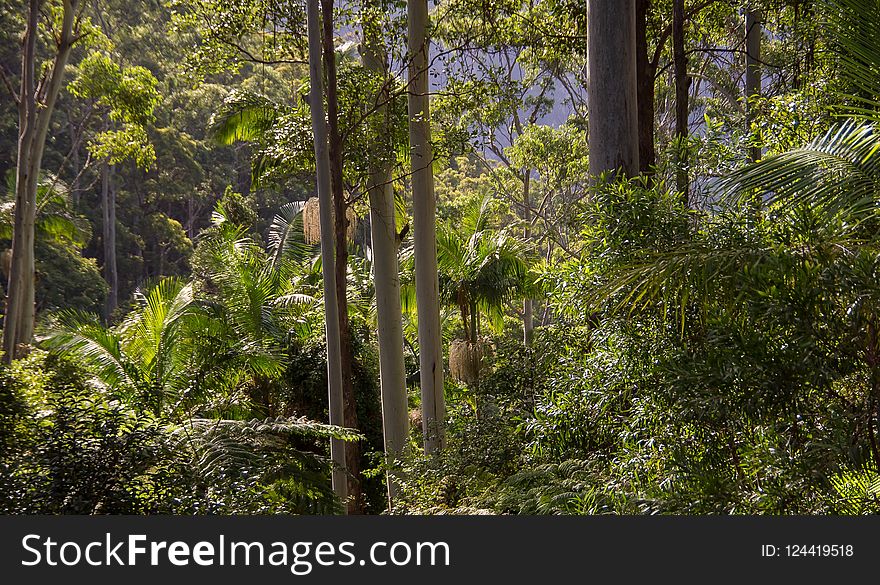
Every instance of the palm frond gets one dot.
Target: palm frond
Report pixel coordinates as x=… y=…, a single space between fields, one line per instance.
x=244 y=116
x=854 y=30
x=672 y=278
x=840 y=170
x=223 y=449
x=82 y=336
x=286 y=234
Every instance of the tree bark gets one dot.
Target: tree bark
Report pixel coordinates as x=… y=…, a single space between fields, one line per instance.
x=392 y=372
x=386 y=276
x=613 y=108
x=424 y=229
x=646 y=71
x=331 y=308
x=108 y=209
x=753 y=71
x=528 y=304
x=340 y=231
x=34 y=114
x=77 y=165
x=680 y=61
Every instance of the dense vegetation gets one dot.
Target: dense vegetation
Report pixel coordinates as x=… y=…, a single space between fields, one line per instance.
x=699 y=334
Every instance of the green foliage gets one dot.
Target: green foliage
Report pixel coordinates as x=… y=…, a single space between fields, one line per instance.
x=853 y=33
x=55 y=221
x=231 y=34
x=717 y=358
x=481 y=266
x=856 y=492
x=77 y=450
x=66 y=280
x=144 y=359
x=129 y=95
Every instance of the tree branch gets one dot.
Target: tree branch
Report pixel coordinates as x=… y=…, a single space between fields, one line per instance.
x=8 y=85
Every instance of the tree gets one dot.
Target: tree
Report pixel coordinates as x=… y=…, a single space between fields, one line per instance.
x=127 y=96
x=64 y=278
x=650 y=28
x=153 y=362
x=424 y=228
x=682 y=93
x=481 y=266
x=753 y=70
x=252 y=300
x=386 y=274
x=340 y=232
x=646 y=70
x=613 y=118
x=331 y=309
x=36 y=101
x=146 y=358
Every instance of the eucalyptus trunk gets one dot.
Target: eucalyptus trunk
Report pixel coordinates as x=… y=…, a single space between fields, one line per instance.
x=424 y=229
x=108 y=211
x=646 y=70
x=34 y=114
x=753 y=71
x=331 y=309
x=528 y=304
x=680 y=62
x=340 y=230
x=386 y=276
x=613 y=103
x=392 y=371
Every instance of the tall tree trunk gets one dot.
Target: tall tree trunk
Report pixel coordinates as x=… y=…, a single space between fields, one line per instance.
x=528 y=304
x=34 y=114
x=680 y=61
x=108 y=209
x=424 y=229
x=76 y=162
x=646 y=70
x=190 y=217
x=753 y=70
x=392 y=373
x=331 y=308
x=613 y=108
x=340 y=231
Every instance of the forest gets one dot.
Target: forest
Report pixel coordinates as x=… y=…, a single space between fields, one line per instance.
x=455 y=257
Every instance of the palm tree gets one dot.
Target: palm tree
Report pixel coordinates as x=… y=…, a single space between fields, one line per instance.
x=257 y=299
x=147 y=358
x=169 y=357
x=481 y=267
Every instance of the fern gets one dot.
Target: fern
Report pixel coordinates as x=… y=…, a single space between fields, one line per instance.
x=856 y=492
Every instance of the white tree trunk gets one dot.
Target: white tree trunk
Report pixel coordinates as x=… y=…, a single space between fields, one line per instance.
x=424 y=230
x=392 y=372
x=108 y=209
x=613 y=107
x=386 y=277
x=34 y=117
x=331 y=311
